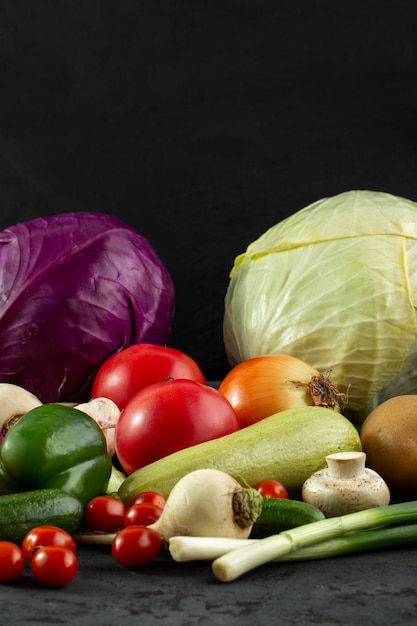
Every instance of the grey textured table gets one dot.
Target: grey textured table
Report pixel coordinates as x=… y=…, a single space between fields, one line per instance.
x=373 y=589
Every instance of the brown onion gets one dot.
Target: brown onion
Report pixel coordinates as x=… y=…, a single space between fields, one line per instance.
x=265 y=385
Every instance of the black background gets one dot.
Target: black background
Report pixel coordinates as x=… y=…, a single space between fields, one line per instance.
x=202 y=123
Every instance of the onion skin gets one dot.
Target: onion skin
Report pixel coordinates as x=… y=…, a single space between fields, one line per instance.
x=268 y=384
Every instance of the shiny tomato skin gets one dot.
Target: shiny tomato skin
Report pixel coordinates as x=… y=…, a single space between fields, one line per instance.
x=142 y=514
x=46 y=535
x=149 y=496
x=170 y=416
x=136 y=546
x=269 y=488
x=126 y=372
x=12 y=561
x=104 y=514
x=54 y=566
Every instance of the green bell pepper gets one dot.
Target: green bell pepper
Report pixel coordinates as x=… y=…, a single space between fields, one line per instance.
x=7 y=485
x=55 y=446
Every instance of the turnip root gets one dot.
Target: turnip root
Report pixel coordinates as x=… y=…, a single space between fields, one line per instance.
x=209 y=503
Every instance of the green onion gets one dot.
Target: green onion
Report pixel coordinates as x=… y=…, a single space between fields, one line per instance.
x=237 y=562
x=380 y=538
x=188 y=548
x=383 y=538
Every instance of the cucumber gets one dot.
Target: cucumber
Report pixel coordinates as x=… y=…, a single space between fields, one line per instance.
x=20 y=512
x=281 y=514
x=288 y=446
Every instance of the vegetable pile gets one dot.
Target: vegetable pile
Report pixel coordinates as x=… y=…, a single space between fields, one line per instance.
x=111 y=437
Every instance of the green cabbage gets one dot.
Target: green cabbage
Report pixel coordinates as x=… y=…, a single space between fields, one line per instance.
x=335 y=285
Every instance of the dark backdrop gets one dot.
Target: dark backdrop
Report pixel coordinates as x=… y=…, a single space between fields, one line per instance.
x=202 y=123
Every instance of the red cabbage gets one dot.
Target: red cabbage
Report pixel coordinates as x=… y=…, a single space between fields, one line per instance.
x=74 y=289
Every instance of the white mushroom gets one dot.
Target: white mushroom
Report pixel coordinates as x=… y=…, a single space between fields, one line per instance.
x=15 y=401
x=106 y=413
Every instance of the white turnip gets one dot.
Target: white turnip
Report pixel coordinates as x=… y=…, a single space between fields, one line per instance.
x=209 y=503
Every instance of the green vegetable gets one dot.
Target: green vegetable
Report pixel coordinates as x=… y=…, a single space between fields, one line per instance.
x=396 y=536
x=335 y=285
x=279 y=514
x=288 y=446
x=380 y=538
x=237 y=562
x=116 y=479
x=55 y=446
x=20 y=512
x=7 y=485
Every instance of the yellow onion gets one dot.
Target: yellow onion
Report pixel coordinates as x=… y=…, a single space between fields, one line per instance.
x=264 y=385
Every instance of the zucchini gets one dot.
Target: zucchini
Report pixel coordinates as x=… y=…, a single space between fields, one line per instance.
x=20 y=512
x=288 y=446
x=280 y=514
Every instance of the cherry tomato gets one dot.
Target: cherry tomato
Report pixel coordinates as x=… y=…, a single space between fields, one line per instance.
x=45 y=536
x=136 y=546
x=54 y=566
x=149 y=496
x=169 y=416
x=104 y=514
x=126 y=372
x=269 y=488
x=12 y=561
x=142 y=514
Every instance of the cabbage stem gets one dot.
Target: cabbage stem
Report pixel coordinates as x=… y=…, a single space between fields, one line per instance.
x=244 y=559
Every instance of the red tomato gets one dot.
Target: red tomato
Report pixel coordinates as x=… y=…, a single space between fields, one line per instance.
x=12 y=561
x=149 y=496
x=54 y=566
x=104 y=514
x=169 y=416
x=143 y=514
x=271 y=489
x=136 y=546
x=126 y=372
x=46 y=536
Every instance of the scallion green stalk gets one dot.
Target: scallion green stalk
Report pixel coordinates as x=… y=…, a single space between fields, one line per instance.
x=380 y=538
x=242 y=560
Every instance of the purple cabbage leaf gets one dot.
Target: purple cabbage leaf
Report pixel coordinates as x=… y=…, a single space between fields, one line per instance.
x=74 y=289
